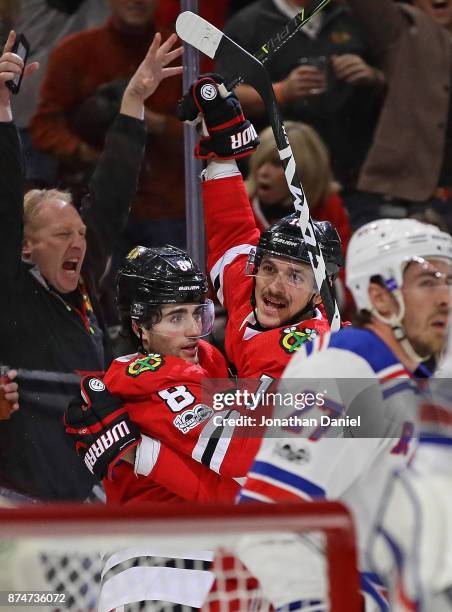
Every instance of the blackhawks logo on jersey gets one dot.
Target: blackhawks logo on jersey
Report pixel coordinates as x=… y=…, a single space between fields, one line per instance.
x=150 y=363
x=292 y=338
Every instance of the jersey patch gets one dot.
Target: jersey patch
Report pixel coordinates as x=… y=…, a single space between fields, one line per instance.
x=150 y=363
x=192 y=417
x=290 y=452
x=292 y=338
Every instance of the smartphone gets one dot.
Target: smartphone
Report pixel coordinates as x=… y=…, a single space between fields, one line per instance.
x=21 y=48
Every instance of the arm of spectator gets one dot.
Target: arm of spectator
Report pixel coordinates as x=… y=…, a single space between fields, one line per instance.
x=114 y=181
x=11 y=171
x=149 y=75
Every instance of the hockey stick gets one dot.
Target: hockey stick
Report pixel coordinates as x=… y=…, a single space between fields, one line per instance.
x=205 y=37
x=274 y=44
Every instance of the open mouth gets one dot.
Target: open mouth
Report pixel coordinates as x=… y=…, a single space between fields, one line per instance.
x=190 y=348
x=440 y=4
x=273 y=304
x=439 y=324
x=70 y=265
x=263 y=186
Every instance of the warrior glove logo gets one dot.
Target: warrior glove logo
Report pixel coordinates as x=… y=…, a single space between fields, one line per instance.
x=104 y=442
x=241 y=139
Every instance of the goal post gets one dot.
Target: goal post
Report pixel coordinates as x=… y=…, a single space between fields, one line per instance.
x=73 y=542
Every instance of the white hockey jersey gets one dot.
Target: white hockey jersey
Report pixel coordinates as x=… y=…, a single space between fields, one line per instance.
x=325 y=459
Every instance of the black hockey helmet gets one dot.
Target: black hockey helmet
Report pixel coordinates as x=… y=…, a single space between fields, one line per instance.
x=152 y=276
x=284 y=239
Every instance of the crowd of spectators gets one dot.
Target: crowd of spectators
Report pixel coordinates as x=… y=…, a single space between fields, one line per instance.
x=364 y=89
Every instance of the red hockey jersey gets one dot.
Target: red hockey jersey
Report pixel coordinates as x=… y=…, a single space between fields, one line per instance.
x=168 y=398
x=232 y=233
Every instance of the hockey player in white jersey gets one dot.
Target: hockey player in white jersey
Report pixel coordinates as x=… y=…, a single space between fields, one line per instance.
x=399 y=272
x=411 y=546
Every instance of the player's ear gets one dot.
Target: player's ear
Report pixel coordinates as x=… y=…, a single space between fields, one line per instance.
x=382 y=300
x=135 y=329
x=26 y=252
x=317 y=300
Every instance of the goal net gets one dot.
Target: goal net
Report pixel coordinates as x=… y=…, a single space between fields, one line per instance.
x=164 y=558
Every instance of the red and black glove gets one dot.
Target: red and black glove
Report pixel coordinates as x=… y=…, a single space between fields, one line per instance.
x=99 y=427
x=228 y=134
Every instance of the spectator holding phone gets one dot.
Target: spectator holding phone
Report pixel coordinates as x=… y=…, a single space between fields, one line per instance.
x=52 y=258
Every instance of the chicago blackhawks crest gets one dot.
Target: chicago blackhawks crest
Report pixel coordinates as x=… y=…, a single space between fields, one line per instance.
x=150 y=363
x=292 y=338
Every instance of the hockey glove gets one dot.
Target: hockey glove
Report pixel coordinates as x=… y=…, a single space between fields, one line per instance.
x=99 y=427
x=226 y=132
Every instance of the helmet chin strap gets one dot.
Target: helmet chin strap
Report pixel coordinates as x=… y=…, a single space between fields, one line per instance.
x=141 y=348
x=396 y=325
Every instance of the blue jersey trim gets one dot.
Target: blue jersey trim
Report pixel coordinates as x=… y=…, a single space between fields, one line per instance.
x=365 y=344
x=280 y=475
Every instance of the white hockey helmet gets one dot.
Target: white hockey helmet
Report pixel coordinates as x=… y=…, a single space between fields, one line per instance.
x=384 y=248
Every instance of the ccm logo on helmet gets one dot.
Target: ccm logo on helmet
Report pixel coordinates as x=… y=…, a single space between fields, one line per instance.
x=102 y=444
x=243 y=138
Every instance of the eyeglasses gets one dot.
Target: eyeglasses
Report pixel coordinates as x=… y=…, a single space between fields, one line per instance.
x=295 y=275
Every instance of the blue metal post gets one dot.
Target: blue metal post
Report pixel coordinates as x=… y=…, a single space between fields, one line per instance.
x=193 y=203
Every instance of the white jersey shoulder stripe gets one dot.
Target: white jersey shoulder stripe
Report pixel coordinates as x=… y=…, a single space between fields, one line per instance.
x=214 y=440
x=391 y=371
x=126 y=358
x=217 y=272
x=248 y=495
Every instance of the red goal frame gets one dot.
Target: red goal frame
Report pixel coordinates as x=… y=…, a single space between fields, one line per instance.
x=331 y=518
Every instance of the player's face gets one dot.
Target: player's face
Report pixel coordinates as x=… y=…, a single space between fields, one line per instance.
x=133 y=13
x=426 y=293
x=439 y=10
x=178 y=332
x=271 y=184
x=283 y=288
x=55 y=242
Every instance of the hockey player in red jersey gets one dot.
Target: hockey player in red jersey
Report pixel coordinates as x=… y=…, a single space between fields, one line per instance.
x=180 y=447
x=264 y=280
x=154 y=437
